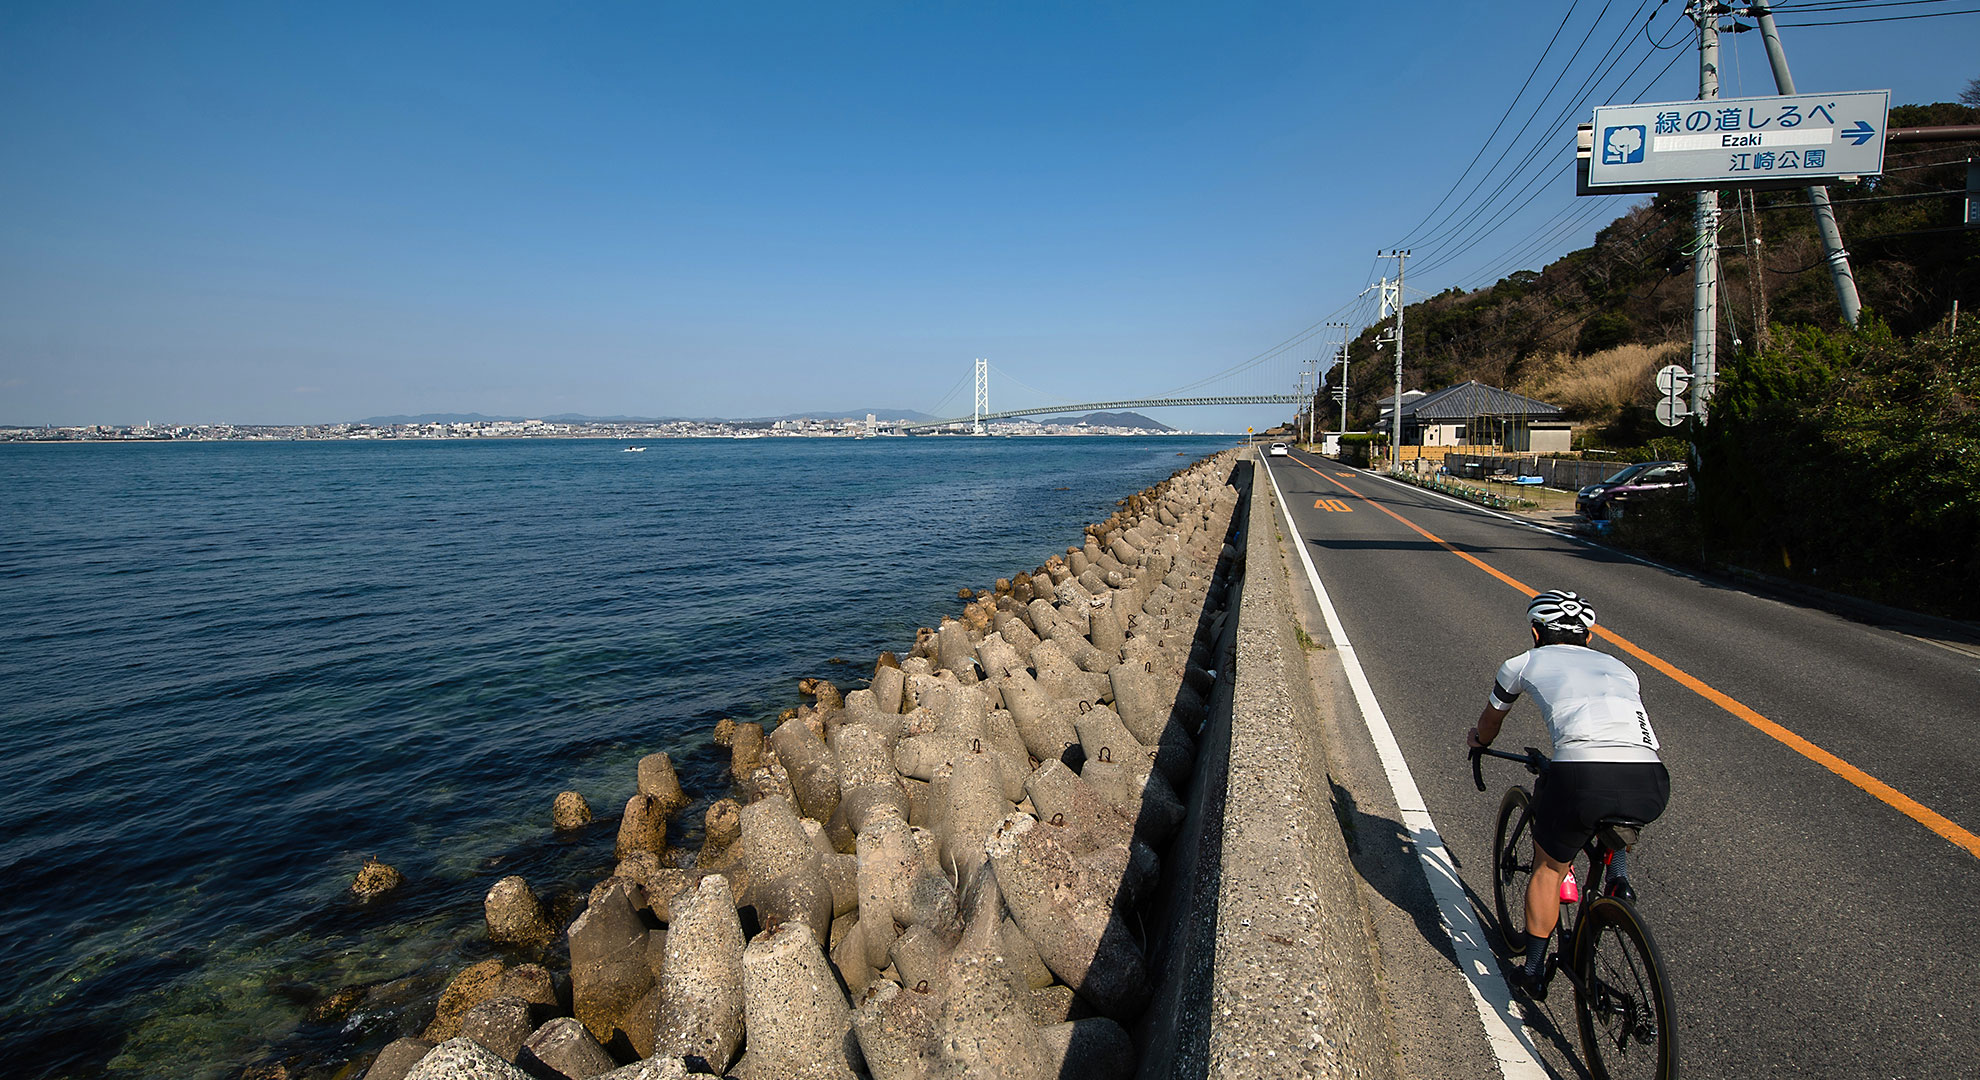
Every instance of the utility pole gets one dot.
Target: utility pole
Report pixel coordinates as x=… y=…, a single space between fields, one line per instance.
x=1343 y=390
x=1310 y=398
x=1756 y=265
x=1395 y=415
x=1705 y=262
x=1306 y=410
x=982 y=393
x=1825 y=215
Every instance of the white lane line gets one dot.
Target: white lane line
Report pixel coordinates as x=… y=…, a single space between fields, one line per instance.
x=1550 y=530
x=1505 y=1029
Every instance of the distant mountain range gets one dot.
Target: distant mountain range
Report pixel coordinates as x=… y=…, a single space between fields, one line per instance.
x=1108 y=419
x=1097 y=419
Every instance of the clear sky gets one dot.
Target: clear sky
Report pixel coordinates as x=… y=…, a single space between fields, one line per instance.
x=283 y=213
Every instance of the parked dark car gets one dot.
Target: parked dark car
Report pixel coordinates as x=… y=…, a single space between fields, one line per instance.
x=1643 y=480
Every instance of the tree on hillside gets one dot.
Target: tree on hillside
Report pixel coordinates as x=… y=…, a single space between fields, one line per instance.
x=1970 y=95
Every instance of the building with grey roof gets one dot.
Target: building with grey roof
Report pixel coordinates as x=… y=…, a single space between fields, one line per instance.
x=1473 y=414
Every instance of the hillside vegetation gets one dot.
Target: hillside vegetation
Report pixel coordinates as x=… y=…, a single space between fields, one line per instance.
x=1849 y=457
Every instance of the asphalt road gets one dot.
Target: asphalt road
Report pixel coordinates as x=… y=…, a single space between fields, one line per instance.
x=1811 y=927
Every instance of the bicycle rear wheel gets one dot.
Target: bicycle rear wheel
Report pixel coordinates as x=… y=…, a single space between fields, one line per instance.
x=1623 y=1000
x=1512 y=868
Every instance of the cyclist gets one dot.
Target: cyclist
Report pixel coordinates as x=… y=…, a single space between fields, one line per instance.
x=1605 y=757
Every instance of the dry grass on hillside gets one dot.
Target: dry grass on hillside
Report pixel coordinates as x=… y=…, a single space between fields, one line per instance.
x=1594 y=389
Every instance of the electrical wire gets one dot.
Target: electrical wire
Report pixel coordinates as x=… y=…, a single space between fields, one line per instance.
x=1478 y=233
x=1884 y=19
x=1611 y=58
x=1503 y=117
x=1440 y=230
x=1755 y=9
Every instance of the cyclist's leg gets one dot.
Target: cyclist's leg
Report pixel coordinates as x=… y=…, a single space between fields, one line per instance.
x=1543 y=893
x=1558 y=834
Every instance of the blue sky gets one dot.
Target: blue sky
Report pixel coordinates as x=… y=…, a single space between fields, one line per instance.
x=273 y=213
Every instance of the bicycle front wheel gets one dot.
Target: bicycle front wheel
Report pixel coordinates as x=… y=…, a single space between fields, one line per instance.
x=1512 y=868
x=1623 y=996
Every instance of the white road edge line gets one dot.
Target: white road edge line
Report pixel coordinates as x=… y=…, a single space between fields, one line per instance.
x=1505 y=1029
x=1637 y=559
x=1534 y=525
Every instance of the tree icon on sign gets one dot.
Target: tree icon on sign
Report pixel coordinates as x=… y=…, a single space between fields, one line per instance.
x=1622 y=145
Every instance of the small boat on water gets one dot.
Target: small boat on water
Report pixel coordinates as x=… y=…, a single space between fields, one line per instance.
x=634 y=450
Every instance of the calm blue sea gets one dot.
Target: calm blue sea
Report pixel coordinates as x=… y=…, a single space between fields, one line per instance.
x=230 y=671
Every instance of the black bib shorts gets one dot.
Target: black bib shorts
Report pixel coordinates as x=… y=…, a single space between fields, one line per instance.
x=1571 y=796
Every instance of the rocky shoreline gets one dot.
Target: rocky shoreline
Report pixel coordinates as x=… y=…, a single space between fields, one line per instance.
x=956 y=870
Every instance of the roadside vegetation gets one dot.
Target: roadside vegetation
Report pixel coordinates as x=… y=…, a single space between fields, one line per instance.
x=1851 y=459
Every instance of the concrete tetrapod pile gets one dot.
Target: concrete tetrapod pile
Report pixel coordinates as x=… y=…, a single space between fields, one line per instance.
x=941 y=874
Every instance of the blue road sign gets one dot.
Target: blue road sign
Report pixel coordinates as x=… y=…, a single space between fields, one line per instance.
x=1733 y=141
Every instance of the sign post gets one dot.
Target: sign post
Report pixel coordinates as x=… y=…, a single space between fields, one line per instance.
x=1671 y=382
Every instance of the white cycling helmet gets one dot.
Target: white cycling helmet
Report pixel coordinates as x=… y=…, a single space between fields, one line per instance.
x=1559 y=610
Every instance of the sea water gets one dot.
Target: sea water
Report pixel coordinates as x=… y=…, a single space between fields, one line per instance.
x=229 y=672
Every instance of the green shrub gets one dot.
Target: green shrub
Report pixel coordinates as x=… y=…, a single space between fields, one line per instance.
x=1851 y=458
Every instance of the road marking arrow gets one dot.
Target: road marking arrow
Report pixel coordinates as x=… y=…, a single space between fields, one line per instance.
x=1860 y=134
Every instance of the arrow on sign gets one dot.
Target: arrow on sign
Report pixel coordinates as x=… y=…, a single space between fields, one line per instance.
x=1860 y=134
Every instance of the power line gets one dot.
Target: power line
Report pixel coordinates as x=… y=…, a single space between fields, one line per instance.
x=1884 y=18
x=1538 y=105
x=1837 y=5
x=1503 y=117
x=1477 y=236
x=1579 y=100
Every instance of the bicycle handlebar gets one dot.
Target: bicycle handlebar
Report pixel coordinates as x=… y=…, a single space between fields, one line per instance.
x=1532 y=758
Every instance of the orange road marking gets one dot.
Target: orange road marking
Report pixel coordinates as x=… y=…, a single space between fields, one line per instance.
x=1890 y=796
x=1332 y=506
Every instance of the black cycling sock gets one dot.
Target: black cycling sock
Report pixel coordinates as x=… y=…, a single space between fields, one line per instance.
x=1536 y=954
x=1619 y=866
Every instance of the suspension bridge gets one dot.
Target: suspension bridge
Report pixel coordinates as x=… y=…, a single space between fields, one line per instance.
x=1257 y=369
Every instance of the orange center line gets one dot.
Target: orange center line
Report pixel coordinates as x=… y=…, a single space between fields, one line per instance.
x=1884 y=792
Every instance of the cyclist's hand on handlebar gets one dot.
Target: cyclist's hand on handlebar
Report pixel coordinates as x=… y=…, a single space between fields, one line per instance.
x=1472 y=742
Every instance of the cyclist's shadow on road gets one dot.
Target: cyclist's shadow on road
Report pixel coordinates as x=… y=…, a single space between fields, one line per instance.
x=1384 y=854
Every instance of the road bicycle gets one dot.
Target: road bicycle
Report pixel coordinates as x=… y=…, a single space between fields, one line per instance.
x=1622 y=993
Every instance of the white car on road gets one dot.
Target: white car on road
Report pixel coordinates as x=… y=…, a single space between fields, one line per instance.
x=1279 y=449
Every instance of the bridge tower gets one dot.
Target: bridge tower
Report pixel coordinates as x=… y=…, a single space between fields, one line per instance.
x=982 y=394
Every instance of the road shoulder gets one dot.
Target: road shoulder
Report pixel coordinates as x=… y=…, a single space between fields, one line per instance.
x=1426 y=998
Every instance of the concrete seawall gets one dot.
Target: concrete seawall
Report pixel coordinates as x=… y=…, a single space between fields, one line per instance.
x=1279 y=976
x=1084 y=829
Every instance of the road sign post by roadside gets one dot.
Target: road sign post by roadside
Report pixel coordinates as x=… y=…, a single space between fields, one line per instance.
x=1671 y=382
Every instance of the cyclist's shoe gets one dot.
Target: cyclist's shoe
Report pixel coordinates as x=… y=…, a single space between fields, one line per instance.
x=1621 y=889
x=1533 y=986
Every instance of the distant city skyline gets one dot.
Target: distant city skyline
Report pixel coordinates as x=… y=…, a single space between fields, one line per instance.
x=274 y=214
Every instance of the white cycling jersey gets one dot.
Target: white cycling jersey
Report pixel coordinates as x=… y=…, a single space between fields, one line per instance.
x=1589 y=700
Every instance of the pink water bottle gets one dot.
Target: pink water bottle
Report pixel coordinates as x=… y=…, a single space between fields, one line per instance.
x=1570 y=888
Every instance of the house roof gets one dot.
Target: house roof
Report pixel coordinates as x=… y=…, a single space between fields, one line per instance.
x=1472 y=399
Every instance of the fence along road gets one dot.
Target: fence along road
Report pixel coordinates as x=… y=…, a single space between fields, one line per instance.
x=1815 y=882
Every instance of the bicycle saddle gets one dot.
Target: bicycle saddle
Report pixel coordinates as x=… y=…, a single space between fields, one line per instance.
x=1618 y=833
